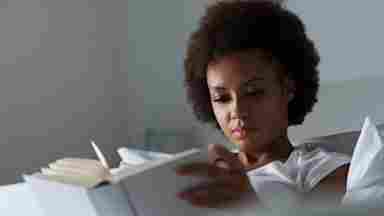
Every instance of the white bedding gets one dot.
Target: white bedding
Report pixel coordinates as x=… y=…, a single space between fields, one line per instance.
x=365 y=183
x=17 y=200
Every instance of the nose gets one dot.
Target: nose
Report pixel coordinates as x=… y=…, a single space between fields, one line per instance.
x=239 y=109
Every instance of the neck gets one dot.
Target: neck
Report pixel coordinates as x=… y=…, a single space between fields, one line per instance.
x=279 y=149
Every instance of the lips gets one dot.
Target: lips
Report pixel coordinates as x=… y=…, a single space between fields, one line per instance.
x=239 y=133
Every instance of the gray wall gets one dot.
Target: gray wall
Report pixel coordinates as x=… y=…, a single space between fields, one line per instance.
x=63 y=80
x=342 y=107
x=348 y=36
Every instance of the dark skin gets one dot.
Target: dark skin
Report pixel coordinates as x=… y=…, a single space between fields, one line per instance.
x=249 y=96
x=332 y=188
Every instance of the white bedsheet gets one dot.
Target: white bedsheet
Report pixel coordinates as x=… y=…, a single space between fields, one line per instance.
x=17 y=200
x=365 y=184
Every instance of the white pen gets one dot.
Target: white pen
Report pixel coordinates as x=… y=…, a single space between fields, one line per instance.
x=99 y=155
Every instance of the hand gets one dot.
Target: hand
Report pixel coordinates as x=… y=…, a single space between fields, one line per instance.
x=227 y=179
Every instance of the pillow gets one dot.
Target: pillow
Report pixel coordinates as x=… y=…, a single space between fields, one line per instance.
x=365 y=182
x=339 y=142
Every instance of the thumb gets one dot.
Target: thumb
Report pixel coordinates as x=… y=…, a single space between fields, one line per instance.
x=221 y=156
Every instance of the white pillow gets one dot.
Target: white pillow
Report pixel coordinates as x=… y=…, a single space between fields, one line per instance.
x=365 y=182
x=339 y=142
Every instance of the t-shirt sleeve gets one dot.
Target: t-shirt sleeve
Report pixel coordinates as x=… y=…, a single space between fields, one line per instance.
x=317 y=164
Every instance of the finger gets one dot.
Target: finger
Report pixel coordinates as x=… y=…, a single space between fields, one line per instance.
x=222 y=164
x=218 y=153
x=206 y=202
x=205 y=189
x=244 y=159
x=202 y=170
x=216 y=159
x=208 y=194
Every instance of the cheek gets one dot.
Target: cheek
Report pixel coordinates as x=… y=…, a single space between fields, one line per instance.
x=272 y=112
x=275 y=113
x=221 y=116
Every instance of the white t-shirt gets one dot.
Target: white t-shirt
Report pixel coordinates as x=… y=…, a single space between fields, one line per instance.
x=300 y=173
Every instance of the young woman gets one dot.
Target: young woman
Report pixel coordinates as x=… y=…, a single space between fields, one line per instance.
x=251 y=71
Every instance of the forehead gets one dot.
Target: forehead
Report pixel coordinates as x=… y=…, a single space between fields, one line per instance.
x=233 y=70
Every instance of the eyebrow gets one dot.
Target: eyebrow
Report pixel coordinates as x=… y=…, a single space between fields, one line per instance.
x=253 y=80
x=250 y=81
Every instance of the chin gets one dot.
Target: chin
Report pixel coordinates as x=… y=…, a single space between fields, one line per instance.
x=248 y=146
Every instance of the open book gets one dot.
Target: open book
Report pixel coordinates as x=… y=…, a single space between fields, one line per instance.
x=146 y=189
x=90 y=173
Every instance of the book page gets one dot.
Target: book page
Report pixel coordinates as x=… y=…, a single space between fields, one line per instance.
x=133 y=170
x=153 y=191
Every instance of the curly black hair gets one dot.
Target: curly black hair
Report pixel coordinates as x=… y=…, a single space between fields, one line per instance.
x=239 y=25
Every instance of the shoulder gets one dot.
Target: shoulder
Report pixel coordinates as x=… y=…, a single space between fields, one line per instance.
x=331 y=189
x=314 y=158
x=315 y=166
x=324 y=174
x=335 y=181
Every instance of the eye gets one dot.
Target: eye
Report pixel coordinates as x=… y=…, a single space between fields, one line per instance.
x=259 y=92
x=220 y=99
x=254 y=91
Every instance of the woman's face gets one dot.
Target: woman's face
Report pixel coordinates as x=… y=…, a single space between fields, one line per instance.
x=249 y=99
